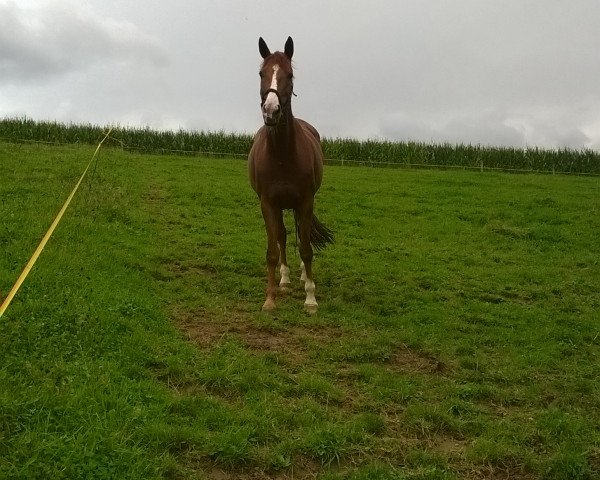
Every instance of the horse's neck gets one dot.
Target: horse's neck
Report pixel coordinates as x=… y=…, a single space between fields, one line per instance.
x=283 y=136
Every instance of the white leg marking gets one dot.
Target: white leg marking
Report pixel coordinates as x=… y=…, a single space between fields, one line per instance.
x=303 y=275
x=285 y=275
x=311 y=301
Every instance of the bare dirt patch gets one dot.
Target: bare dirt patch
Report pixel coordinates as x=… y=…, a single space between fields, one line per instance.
x=304 y=469
x=206 y=330
x=450 y=446
x=496 y=473
x=408 y=360
x=155 y=195
x=180 y=269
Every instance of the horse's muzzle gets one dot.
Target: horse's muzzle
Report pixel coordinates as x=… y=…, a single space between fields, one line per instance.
x=271 y=113
x=271 y=107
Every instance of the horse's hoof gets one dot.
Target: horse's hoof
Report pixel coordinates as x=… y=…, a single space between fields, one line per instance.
x=311 y=308
x=285 y=287
x=268 y=306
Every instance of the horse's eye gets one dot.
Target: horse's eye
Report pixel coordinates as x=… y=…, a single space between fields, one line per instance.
x=261 y=74
x=290 y=75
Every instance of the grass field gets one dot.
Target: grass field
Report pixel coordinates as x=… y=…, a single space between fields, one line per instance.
x=458 y=334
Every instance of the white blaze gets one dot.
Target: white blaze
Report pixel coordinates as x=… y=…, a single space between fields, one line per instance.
x=272 y=102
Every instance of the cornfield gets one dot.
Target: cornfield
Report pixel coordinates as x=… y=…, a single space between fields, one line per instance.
x=337 y=151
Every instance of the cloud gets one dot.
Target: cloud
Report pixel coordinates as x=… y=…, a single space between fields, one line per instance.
x=474 y=128
x=494 y=128
x=471 y=71
x=479 y=71
x=45 y=40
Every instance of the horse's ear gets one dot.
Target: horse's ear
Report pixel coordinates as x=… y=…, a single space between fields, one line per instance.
x=289 y=47
x=263 y=49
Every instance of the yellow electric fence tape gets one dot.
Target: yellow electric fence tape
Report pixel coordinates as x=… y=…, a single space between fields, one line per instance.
x=49 y=233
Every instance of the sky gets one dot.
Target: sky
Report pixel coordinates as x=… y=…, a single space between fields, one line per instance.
x=522 y=73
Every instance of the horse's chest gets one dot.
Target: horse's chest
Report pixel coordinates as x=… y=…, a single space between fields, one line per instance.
x=284 y=193
x=283 y=183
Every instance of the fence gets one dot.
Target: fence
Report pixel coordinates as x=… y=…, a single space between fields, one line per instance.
x=373 y=153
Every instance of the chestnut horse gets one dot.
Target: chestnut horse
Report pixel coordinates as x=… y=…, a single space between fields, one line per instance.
x=286 y=168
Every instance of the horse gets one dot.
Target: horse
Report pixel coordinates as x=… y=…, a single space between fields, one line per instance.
x=285 y=166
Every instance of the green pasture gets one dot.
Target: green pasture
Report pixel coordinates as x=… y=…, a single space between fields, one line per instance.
x=458 y=335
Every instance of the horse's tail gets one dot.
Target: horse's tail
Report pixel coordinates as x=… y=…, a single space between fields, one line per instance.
x=320 y=235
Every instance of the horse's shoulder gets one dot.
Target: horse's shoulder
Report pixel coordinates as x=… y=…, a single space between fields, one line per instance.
x=258 y=140
x=262 y=131
x=308 y=129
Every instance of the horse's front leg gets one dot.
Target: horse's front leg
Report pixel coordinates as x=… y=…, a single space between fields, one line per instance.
x=306 y=254
x=284 y=270
x=270 y=215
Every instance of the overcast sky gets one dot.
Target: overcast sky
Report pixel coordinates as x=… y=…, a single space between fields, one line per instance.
x=498 y=72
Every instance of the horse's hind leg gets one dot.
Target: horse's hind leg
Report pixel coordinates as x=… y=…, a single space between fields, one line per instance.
x=302 y=272
x=306 y=254
x=284 y=270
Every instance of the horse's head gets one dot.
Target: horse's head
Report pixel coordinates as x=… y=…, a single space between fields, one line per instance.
x=276 y=81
